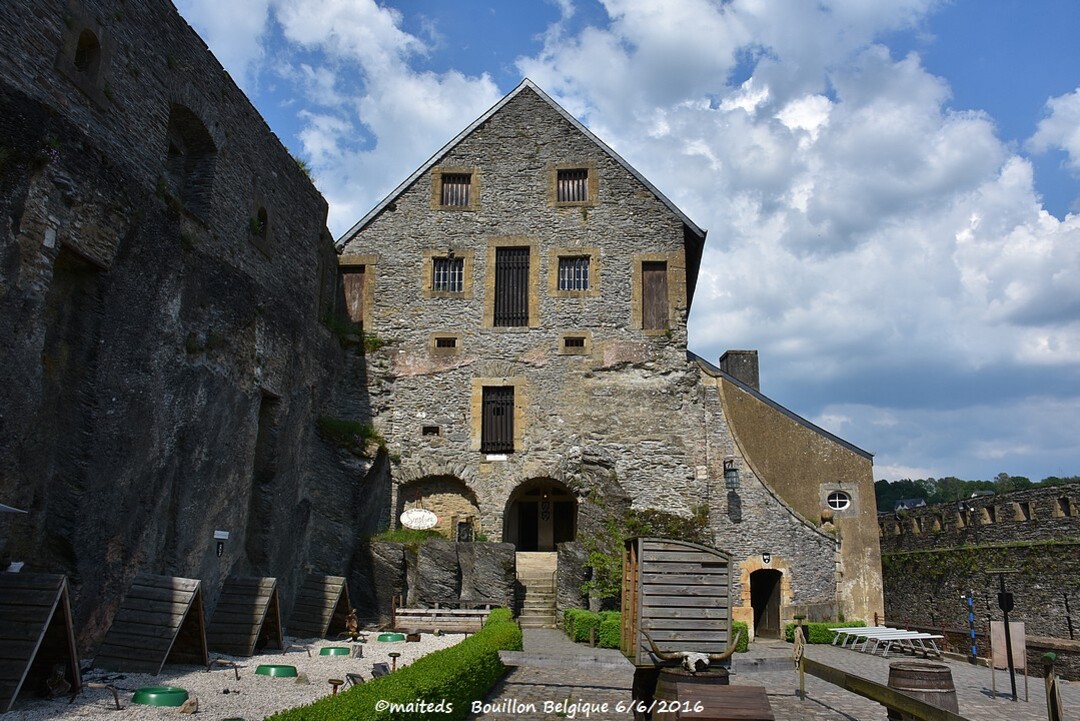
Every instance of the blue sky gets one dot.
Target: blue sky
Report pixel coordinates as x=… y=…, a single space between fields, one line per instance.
x=891 y=189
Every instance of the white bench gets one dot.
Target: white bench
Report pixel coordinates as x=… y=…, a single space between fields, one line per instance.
x=914 y=641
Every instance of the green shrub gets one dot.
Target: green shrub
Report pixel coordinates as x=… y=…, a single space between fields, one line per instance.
x=459 y=675
x=819 y=632
x=610 y=632
x=744 y=639
x=577 y=623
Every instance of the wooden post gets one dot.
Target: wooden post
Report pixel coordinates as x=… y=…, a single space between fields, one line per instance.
x=1053 y=693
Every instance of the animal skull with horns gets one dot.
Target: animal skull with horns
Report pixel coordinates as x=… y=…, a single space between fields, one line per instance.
x=691 y=660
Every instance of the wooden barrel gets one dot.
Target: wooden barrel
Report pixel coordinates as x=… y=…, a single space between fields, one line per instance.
x=667 y=687
x=929 y=682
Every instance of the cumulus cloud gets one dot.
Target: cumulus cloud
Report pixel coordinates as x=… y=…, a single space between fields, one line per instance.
x=1060 y=128
x=233 y=30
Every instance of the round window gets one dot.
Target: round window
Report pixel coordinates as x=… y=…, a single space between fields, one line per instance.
x=839 y=500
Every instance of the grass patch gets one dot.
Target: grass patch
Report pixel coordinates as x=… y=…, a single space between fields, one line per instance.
x=408 y=536
x=352 y=436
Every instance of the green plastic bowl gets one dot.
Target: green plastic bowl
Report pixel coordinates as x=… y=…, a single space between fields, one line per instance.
x=160 y=696
x=391 y=637
x=335 y=651
x=276 y=670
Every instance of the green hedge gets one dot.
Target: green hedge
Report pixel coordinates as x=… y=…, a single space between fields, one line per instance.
x=744 y=638
x=819 y=632
x=610 y=633
x=459 y=675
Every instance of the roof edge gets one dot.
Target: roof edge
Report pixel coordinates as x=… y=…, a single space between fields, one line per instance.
x=714 y=371
x=439 y=154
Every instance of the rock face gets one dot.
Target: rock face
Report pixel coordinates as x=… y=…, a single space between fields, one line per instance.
x=164 y=265
x=571 y=574
x=434 y=574
x=378 y=576
x=487 y=573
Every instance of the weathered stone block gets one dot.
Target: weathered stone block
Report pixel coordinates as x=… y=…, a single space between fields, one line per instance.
x=488 y=572
x=434 y=576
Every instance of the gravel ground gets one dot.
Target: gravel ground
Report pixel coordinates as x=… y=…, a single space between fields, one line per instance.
x=220 y=694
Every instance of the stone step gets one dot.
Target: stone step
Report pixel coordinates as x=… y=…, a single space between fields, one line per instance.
x=539 y=606
x=537 y=624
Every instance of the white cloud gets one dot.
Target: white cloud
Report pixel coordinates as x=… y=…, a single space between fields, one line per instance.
x=233 y=30
x=1060 y=128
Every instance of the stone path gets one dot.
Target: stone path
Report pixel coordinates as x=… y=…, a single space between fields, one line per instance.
x=552 y=670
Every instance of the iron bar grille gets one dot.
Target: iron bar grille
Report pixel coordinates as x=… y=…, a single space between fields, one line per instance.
x=455 y=189
x=574 y=342
x=448 y=274
x=572 y=185
x=511 y=287
x=446 y=342
x=497 y=431
x=574 y=273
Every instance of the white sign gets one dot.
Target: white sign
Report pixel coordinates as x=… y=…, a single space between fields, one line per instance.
x=419 y=519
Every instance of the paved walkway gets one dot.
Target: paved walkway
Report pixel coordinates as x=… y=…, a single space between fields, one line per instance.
x=552 y=671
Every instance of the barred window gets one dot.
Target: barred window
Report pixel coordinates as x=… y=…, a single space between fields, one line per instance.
x=574 y=273
x=455 y=189
x=448 y=275
x=572 y=186
x=497 y=423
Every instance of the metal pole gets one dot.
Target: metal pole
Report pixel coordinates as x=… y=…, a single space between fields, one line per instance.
x=1005 y=607
x=971 y=627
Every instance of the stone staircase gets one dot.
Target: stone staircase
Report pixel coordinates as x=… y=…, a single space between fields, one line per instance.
x=536 y=574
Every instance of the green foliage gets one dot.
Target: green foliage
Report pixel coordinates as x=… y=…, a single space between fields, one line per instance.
x=744 y=638
x=606 y=547
x=408 y=536
x=951 y=488
x=610 y=632
x=819 y=632
x=459 y=675
x=352 y=436
x=303 y=165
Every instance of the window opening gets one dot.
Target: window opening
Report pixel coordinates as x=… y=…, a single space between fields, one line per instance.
x=448 y=275
x=191 y=159
x=87 y=53
x=574 y=342
x=455 y=189
x=574 y=273
x=511 y=287
x=497 y=427
x=446 y=342
x=838 y=500
x=430 y=431
x=572 y=186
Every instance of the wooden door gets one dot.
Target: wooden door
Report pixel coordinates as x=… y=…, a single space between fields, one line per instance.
x=765 y=599
x=654 y=295
x=351 y=296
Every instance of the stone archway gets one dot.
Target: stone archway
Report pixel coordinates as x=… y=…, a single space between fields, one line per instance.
x=540 y=513
x=448 y=498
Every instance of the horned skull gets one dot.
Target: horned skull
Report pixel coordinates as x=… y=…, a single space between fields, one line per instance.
x=692 y=661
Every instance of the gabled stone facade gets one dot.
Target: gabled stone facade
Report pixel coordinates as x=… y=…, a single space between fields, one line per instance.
x=621 y=414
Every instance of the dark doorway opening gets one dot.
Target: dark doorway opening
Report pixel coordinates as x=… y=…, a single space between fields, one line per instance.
x=528 y=527
x=765 y=600
x=540 y=514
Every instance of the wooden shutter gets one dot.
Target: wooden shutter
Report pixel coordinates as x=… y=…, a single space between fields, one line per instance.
x=497 y=428
x=511 y=287
x=654 y=295
x=351 y=296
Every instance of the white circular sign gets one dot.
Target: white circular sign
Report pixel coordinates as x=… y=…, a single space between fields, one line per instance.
x=419 y=519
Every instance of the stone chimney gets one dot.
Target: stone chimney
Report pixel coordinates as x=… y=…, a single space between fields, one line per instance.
x=741 y=365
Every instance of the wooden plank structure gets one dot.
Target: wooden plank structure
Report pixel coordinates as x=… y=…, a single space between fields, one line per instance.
x=449 y=620
x=321 y=607
x=247 y=617
x=718 y=703
x=36 y=635
x=677 y=591
x=160 y=621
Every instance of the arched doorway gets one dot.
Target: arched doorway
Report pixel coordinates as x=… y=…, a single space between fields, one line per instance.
x=449 y=499
x=540 y=514
x=765 y=600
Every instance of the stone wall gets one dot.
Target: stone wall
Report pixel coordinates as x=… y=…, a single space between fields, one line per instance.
x=933 y=555
x=162 y=260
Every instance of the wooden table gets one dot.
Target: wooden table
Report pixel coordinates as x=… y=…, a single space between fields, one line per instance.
x=725 y=703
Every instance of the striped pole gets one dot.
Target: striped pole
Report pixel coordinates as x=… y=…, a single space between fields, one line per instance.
x=971 y=626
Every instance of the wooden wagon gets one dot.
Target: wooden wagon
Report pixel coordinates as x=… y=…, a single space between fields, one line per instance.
x=679 y=595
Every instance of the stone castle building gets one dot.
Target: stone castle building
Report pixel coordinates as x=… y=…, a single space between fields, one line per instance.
x=173 y=365
x=532 y=289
